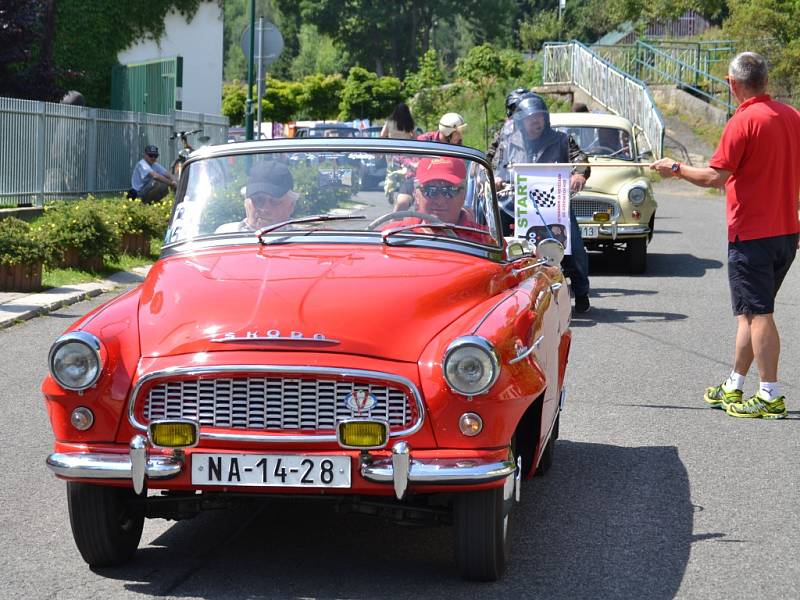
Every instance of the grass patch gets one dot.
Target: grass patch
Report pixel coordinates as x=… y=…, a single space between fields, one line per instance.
x=709 y=132
x=52 y=278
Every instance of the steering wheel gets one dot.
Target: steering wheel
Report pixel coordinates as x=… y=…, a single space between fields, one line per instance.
x=601 y=149
x=401 y=214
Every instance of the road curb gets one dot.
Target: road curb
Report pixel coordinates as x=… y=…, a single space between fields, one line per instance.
x=30 y=306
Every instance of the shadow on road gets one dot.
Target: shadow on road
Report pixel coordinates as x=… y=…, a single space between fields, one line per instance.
x=612 y=315
x=606 y=522
x=658 y=265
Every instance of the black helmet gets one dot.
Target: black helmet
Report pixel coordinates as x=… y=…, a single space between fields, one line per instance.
x=513 y=98
x=530 y=104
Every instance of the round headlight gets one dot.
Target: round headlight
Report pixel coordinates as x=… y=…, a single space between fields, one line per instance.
x=470 y=365
x=75 y=360
x=636 y=195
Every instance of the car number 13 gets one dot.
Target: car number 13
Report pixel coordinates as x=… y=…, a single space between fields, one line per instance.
x=271 y=470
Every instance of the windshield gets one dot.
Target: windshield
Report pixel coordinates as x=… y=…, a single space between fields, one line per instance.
x=601 y=141
x=235 y=196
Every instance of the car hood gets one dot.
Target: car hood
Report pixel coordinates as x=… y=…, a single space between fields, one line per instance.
x=609 y=180
x=368 y=300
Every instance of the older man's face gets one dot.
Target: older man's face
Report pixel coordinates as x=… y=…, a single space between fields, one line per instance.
x=264 y=209
x=441 y=199
x=534 y=125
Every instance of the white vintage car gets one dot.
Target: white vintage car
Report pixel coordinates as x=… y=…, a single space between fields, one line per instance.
x=617 y=207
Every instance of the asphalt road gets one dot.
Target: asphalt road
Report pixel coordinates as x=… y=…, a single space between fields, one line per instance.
x=652 y=495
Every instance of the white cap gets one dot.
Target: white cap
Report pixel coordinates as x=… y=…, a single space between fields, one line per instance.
x=451 y=122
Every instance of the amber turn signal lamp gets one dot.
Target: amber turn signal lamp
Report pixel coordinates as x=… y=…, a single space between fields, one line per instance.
x=601 y=217
x=174 y=434
x=362 y=434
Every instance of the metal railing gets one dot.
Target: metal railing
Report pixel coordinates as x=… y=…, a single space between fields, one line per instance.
x=573 y=63
x=52 y=150
x=682 y=66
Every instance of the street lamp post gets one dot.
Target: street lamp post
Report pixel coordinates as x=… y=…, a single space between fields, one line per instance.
x=248 y=115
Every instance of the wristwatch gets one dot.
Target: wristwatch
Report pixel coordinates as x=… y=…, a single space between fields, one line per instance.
x=676 y=168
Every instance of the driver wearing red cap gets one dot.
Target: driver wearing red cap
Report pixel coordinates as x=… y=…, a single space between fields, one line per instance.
x=440 y=191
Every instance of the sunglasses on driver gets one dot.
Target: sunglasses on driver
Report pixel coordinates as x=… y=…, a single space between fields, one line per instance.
x=262 y=199
x=433 y=191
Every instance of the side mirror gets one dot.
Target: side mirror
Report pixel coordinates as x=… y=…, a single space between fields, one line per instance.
x=551 y=251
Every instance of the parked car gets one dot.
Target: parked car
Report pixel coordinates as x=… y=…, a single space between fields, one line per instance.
x=409 y=364
x=327 y=130
x=372 y=132
x=617 y=208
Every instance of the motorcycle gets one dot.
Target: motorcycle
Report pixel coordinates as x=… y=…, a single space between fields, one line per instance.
x=183 y=154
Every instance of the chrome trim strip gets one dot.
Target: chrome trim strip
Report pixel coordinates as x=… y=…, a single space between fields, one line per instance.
x=258 y=437
x=110 y=466
x=444 y=471
x=266 y=338
x=624 y=230
x=523 y=354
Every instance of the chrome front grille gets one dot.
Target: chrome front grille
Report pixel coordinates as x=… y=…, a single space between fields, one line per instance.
x=584 y=208
x=275 y=403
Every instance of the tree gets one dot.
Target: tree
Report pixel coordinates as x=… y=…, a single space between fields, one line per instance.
x=281 y=100
x=483 y=68
x=318 y=55
x=545 y=27
x=426 y=87
x=26 y=50
x=367 y=96
x=771 y=28
x=234 y=100
x=320 y=97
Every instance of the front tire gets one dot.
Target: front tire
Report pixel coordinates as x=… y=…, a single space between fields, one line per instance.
x=481 y=526
x=105 y=524
x=636 y=254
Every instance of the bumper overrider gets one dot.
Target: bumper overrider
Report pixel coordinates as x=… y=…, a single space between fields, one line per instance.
x=400 y=469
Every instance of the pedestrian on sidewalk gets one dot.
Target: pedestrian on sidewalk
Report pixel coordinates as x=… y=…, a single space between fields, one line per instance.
x=757 y=161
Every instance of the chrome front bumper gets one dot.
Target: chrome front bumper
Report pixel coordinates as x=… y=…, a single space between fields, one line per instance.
x=400 y=469
x=615 y=231
x=136 y=465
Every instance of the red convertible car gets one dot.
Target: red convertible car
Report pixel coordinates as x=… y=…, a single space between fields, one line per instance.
x=292 y=340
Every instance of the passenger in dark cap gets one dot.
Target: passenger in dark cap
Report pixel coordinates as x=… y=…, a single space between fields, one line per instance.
x=269 y=198
x=150 y=180
x=534 y=141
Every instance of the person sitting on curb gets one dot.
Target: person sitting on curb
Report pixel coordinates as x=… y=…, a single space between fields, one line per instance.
x=150 y=181
x=269 y=198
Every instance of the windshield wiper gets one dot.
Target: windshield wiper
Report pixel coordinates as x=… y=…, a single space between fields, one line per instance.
x=385 y=234
x=312 y=219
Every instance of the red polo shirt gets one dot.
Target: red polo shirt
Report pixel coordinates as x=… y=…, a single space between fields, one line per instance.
x=760 y=146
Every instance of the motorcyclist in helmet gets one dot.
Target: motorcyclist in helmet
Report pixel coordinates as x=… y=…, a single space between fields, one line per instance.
x=450 y=131
x=512 y=99
x=532 y=140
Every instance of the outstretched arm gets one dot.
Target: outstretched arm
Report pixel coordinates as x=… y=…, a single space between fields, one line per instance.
x=700 y=176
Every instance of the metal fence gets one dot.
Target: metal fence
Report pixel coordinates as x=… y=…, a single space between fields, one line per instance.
x=573 y=63
x=56 y=150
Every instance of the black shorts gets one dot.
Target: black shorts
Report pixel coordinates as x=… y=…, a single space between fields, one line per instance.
x=756 y=269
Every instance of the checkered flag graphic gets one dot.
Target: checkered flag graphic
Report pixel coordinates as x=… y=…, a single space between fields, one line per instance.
x=542 y=198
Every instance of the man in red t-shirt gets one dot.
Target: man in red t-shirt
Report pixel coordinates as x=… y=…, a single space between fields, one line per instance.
x=758 y=163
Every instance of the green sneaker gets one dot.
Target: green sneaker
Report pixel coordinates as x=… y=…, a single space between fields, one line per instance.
x=717 y=397
x=755 y=407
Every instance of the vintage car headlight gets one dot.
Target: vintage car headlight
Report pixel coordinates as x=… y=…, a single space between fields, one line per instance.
x=470 y=365
x=76 y=360
x=636 y=195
